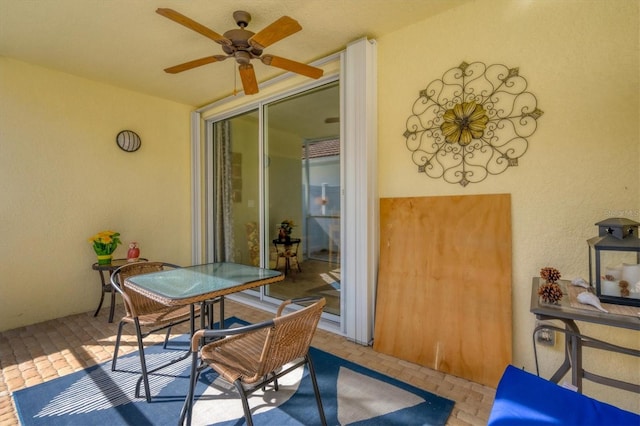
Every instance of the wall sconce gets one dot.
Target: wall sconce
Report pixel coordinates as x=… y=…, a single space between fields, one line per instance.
x=128 y=141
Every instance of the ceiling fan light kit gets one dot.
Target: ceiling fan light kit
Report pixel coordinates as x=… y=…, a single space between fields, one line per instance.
x=244 y=45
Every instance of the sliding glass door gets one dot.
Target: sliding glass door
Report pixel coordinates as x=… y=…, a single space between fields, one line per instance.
x=351 y=118
x=282 y=212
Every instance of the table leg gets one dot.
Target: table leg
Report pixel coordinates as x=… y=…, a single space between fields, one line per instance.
x=192 y=319
x=221 y=303
x=564 y=368
x=205 y=307
x=296 y=257
x=277 y=255
x=572 y=356
x=210 y=311
x=575 y=350
x=103 y=284
x=208 y=308
x=103 y=289
x=99 y=304
x=574 y=346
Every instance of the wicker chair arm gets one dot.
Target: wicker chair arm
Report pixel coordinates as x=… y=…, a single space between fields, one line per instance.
x=296 y=301
x=198 y=335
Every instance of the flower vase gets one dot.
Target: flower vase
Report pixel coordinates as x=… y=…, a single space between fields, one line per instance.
x=104 y=259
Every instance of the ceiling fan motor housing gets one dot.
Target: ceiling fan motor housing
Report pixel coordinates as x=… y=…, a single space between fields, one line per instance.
x=240 y=43
x=240 y=47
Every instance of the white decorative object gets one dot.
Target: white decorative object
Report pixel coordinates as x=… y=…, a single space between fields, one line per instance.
x=614 y=271
x=580 y=282
x=635 y=290
x=587 y=298
x=610 y=288
x=631 y=273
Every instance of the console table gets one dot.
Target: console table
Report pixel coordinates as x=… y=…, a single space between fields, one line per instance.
x=575 y=341
x=106 y=282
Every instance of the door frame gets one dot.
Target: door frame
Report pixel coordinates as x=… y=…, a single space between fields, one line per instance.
x=356 y=69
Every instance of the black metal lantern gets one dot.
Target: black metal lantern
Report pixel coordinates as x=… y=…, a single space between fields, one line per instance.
x=618 y=283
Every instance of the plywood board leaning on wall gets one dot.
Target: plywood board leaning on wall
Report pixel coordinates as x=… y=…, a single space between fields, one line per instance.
x=444 y=284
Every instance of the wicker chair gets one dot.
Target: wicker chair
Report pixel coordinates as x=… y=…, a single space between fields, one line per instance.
x=144 y=312
x=253 y=356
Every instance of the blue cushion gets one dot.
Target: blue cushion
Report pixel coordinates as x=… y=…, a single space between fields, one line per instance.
x=525 y=399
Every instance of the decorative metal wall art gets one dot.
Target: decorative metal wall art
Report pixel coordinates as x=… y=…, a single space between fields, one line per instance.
x=471 y=123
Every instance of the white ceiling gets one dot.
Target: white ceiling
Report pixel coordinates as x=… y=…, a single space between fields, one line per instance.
x=125 y=43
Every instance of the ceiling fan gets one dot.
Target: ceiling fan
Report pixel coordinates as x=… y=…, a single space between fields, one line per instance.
x=244 y=45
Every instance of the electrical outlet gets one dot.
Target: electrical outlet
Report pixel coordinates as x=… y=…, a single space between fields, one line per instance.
x=545 y=336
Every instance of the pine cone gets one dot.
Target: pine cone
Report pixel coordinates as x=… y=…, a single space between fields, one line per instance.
x=624 y=288
x=550 y=292
x=551 y=275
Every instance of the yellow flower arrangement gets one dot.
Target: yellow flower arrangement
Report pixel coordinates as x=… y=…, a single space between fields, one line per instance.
x=287 y=225
x=105 y=242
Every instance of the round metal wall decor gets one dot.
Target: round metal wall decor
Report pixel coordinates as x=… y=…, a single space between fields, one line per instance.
x=128 y=141
x=471 y=123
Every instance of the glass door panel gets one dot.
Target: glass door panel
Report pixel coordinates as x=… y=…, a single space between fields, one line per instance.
x=303 y=189
x=236 y=189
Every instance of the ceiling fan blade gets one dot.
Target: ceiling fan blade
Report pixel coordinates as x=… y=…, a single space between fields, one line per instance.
x=293 y=66
x=248 y=77
x=193 y=25
x=279 y=29
x=193 y=64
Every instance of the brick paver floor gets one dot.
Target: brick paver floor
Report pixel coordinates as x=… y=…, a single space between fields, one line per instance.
x=37 y=353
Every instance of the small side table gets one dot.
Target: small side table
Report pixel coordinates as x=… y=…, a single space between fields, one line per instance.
x=575 y=341
x=106 y=282
x=287 y=249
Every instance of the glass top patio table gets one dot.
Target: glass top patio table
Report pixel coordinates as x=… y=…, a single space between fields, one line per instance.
x=197 y=283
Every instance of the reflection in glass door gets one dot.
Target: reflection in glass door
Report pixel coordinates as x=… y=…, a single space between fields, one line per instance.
x=235 y=196
x=321 y=177
x=303 y=189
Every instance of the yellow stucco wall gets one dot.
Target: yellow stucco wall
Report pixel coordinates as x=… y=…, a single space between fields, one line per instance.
x=581 y=59
x=63 y=178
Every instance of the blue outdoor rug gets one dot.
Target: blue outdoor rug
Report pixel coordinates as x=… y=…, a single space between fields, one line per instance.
x=351 y=394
